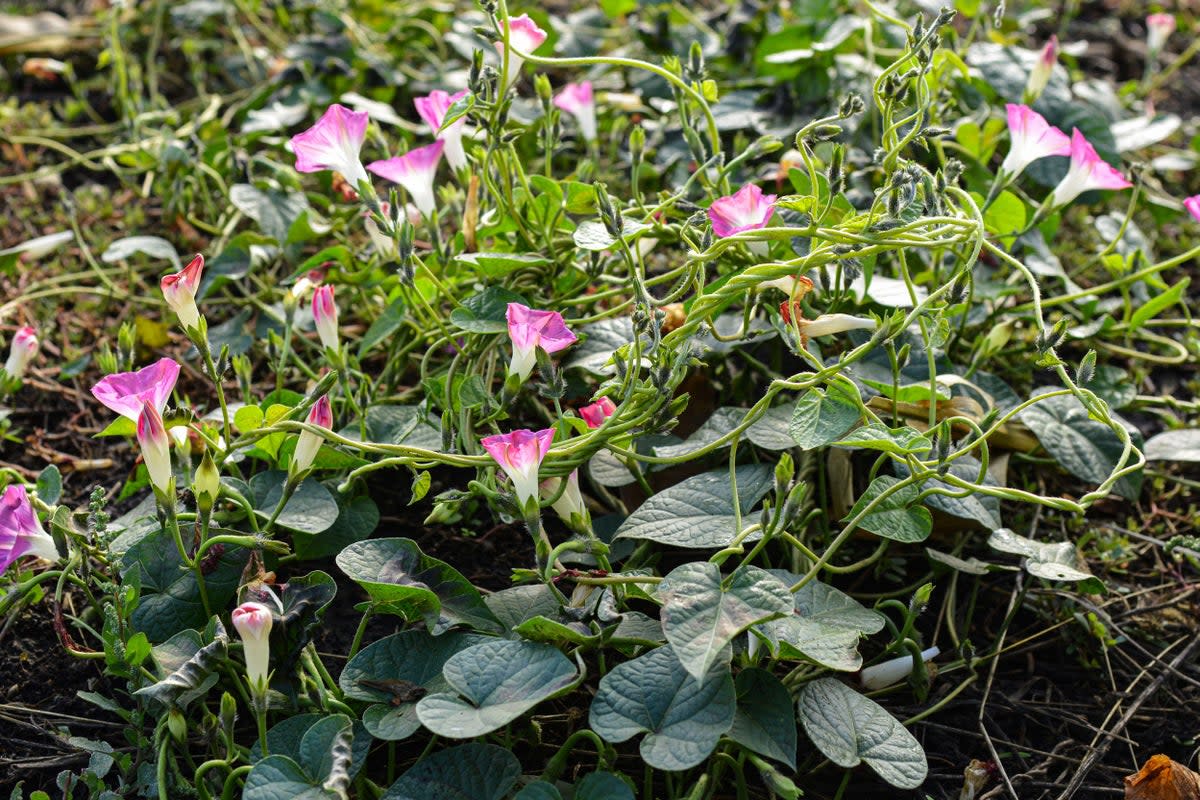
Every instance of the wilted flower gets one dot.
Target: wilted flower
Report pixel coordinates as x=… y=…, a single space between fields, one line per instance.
x=1040 y=76
x=576 y=99
x=22 y=350
x=1031 y=138
x=1159 y=28
x=596 y=413
x=432 y=109
x=880 y=676
x=125 y=392
x=20 y=532
x=415 y=171
x=179 y=290
x=253 y=622
x=569 y=506
x=531 y=329
x=826 y=324
x=524 y=36
x=321 y=415
x=156 y=446
x=794 y=286
x=325 y=314
x=1192 y=204
x=1088 y=171
x=520 y=454
x=334 y=144
x=746 y=210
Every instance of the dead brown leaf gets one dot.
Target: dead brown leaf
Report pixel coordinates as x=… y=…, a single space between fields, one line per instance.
x=1160 y=778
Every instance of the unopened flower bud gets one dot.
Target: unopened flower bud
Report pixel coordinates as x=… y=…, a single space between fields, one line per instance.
x=23 y=349
x=253 y=622
x=207 y=483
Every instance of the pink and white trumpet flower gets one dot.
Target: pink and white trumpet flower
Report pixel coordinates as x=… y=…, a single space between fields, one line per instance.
x=415 y=171
x=524 y=36
x=1087 y=171
x=576 y=99
x=520 y=455
x=1031 y=138
x=253 y=622
x=21 y=534
x=125 y=392
x=432 y=109
x=748 y=209
x=530 y=329
x=334 y=144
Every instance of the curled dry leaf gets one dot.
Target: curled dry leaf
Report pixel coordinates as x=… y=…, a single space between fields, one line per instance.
x=1160 y=778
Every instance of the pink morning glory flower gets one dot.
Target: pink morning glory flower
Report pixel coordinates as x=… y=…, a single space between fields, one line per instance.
x=321 y=415
x=524 y=36
x=415 y=171
x=20 y=532
x=23 y=349
x=124 y=392
x=179 y=290
x=333 y=144
x=1088 y=171
x=1031 y=138
x=156 y=446
x=530 y=329
x=253 y=622
x=1159 y=28
x=576 y=99
x=520 y=454
x=433 y=110
x=1192 y=204
x=1040 y=76
x=325 y=314
x=746 y=210
x=596 y=413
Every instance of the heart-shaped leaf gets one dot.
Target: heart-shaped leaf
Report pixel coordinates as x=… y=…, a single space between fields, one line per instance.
x=498 y=681
x=397 y=671
x=402 y=580
x=895 y=517
x=849 y=729
x=822 y=417
x=311 y=509
x=701 y=614
x=826 y=626
x=1054 y=561
x=698 y=512
x=683 y=719
x=764 y=721
x=468 y=772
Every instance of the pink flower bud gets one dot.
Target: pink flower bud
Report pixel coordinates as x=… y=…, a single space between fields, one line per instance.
x=325 y=314
x=20 y=532
x=309 y=443
x=432 y=109
x=334 y=144
x=748 y=209
x=569 y=506
x=156 y=447
x=1087 y=171
x=415 y=171
x=253 y=622
x=524 y=36
x=530 y=329
x=520 y=454
x=1159 y=28
x=596 y=413
x=576 y=99
x=1040 y=76
x=179 y=290
x=23 y=349
x=125 y=392
x=1192 y=204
